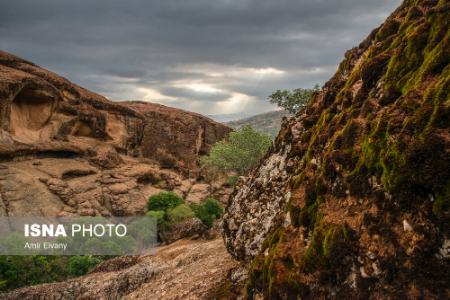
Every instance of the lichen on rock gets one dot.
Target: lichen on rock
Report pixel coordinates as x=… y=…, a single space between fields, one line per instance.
x=371 y=150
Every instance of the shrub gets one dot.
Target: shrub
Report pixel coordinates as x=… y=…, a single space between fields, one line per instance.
x=164 y=201
x=208 y=211
x=240 y=153
x=159 y=215
x=232 y=181
x=19 y=271
x=80 y=265
x=180 y=213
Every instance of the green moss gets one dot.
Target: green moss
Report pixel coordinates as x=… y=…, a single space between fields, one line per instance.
x=421 y=48
x=389 y=28
x=403 y=144
x=327 y=247
x=349 y=134
x=261 y=271
x=441 y=205
x=316 y=130
x=310 y=214
x=297 y=180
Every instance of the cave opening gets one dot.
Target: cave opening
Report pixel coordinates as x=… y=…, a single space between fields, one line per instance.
x=31 y=110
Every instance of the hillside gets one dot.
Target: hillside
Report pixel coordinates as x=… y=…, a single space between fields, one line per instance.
x=268 y=123
x=352 y=201
x=65 y=150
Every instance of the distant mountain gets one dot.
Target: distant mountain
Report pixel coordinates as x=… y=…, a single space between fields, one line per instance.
x=223 y=118
x=268 y=123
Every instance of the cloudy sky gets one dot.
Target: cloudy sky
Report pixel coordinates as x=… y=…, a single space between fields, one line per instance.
x=208 y=56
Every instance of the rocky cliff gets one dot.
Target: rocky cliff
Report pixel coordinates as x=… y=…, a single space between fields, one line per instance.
x=353 y=199
x=65 y=150
x=42 y=112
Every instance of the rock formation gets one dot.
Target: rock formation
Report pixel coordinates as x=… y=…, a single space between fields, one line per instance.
x=183 y=270
x=65 y=150
x=352 y=201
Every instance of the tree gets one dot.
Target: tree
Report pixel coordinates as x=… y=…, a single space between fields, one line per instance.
x=80 y=265
x=164 y=201
x=294 y=100
x=240 y=153
x=208 y=211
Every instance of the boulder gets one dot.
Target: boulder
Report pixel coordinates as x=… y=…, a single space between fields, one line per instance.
x=188 y=228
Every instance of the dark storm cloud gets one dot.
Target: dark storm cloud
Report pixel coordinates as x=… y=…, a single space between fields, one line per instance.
x=210 y=56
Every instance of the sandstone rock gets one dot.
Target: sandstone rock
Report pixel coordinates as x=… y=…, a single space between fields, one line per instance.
x=41 y=112
x=122 y=188
x=189 y=228
x=88 y=153
x=107 y=158
x=198 y=192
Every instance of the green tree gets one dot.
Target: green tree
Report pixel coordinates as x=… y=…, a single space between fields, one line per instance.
x=208 y=211
x=240 y=153
x=18 y=271
x=80 y=265
x=294 y=100
x=164 y=201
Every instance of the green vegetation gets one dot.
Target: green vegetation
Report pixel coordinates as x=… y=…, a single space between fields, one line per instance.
x=18 y=271
x=170 y=209
x=208 y=211
x=294 y=100
x=327 y=246
x=240 y=153
x=163 y=201
x=232 y=180
x=262 y=267
x=80 y=265
x=180 y=213
x=400 y=145
x=158 y=215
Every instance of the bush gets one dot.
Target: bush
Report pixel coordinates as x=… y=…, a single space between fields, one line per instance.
x=19 y=271
x=164 y=201
x=244 y=149
x=80 y=265
x=232 y=181
x=159 y=215
x=180 y=213
x=208 y=211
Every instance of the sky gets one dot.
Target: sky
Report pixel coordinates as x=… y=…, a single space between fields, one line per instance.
x=214 y=57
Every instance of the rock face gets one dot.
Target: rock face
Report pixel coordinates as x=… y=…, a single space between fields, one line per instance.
x=65 y=150
x=353 y=198
x=41 y=112
x=188 y=228
x=182 y=136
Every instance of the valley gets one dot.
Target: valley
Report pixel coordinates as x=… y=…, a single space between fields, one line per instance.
x=350 y=201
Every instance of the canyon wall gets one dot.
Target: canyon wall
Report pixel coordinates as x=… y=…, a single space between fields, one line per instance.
x=67 y=151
